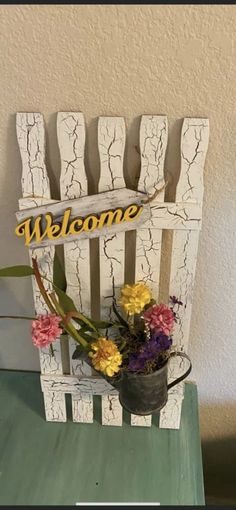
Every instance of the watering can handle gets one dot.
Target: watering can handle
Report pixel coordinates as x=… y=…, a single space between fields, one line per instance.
x=182 y=377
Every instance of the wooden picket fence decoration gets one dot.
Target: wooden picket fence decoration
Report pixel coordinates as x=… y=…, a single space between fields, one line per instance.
x=183 y=217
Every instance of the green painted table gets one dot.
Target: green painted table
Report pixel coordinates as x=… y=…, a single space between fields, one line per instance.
x=63 y=463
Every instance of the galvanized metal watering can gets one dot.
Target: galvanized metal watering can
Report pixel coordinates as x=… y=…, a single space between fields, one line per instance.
x=146 y=394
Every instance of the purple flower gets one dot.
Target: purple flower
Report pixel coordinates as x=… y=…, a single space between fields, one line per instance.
x=136 y=362
x=163 y=342
x=175 y=301
x=149 y=351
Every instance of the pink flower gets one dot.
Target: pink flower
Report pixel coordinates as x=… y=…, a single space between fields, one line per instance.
x=45 y=329
x=160 y=318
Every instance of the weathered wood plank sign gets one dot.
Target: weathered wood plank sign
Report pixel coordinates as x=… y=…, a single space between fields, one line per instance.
x=65 y=221
x=117 y=211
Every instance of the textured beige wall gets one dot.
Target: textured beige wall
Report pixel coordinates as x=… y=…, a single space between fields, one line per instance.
x=130 y=60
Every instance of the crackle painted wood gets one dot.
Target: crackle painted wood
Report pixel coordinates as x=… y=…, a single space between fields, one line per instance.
x=111 y=146
x=73 y=185
x=153 y=141
x=77 y=384
x=35 y=186
x=194 y=144
x=183 y=216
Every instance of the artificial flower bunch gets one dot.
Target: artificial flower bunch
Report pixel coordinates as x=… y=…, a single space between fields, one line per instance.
x=138 y=340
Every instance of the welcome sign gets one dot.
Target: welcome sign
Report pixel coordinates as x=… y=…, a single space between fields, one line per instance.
x=86 y=217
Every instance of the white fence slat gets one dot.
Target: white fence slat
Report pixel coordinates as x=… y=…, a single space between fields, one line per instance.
x=30 y=202
x=82 y=408
x=78 y=385
x=73 y=184
x=55 y=408
x=194 y=144
x=141 y=421
x=35 y=183
x=31 y=140
x=153 y=142
x=111 y=410
x=111 y=145
x=173 y=216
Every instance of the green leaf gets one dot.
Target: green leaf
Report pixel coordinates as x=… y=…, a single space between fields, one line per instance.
x=68 y=306
x=96 y=325
x=101 y=324
x=151 y=303
x=122 y=321
x=77 y=315
x=64 y=300
x=16 y=271
x=118 y=325
x=122 y=345
x=85 y=336
x=78 y=352
x=81 y=323
x=59 y=278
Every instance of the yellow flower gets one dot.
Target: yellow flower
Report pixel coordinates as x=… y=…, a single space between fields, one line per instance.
x=105 y=356
x=135 y=297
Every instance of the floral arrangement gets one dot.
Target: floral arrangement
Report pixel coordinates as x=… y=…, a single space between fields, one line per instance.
x=138 y=340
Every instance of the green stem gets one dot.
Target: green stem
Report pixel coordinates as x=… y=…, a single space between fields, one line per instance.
x=51 y=350
x=74 y=333
x=74 y=313
x=17 y=317
x=41 y=286
x=71 y=315
x=69 y=328
x=130 y=321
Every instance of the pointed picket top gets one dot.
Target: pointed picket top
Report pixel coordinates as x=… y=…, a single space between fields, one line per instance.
x=31 y=140
x=194 y=145
x=71 y=141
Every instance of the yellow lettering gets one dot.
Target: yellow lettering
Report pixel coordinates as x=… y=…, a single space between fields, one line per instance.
x=76 y=226
x=109 y=217
x=90 y=223
x=24 y=229
x=54 y=232
x=65 y=230
x=132 y=212
x=43 y=226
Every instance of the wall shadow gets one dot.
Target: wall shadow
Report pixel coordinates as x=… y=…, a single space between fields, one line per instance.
x=219 y=460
